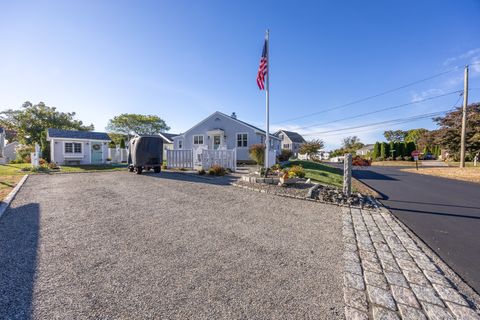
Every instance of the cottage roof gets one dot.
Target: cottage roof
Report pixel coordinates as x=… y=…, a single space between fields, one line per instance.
x=76 y=134
x=294 y=136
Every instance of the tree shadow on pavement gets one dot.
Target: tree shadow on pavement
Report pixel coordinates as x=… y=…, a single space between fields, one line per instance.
x=371 y=175
x=193 y=177
x=19 y=234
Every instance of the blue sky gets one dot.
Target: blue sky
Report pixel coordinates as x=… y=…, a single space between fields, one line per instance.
x=182 y=60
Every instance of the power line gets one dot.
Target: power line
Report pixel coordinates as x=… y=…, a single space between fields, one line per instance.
x=372 y=96
x=400 y=121
x=420 y=116
x=381 y=110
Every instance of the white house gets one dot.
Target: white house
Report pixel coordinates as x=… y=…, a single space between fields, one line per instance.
x=77 y=147
x=167 y=141
x=222 y=132
x=290 y=140
x=365 y=150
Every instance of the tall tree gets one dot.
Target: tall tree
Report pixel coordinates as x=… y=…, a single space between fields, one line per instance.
x=352 y=144
x=384 y=150
x=376 y=151
x=395 y=135
x=131 y=124
x=311 y=148
x=414 y=135
x=448 y=135
x=30 y=123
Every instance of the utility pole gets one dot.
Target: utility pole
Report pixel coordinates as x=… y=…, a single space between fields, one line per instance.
x=464 y=118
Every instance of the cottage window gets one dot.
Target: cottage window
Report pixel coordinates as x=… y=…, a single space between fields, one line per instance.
x=198 y=139
x=73 y=147
x=286 y=146
x=180 y=144
x=242 y=140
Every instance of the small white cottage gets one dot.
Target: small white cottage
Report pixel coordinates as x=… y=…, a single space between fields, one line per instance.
x=77 y=147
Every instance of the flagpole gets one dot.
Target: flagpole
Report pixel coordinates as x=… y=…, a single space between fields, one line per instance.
x=267 y=91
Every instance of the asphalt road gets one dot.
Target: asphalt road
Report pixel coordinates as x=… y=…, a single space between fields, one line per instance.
x=123 y=246
x=444 y=213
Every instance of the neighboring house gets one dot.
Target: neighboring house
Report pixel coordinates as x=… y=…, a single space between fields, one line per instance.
x=290 y=140
x=220 y=131
x=365 y=150
x=167 y=142
x=10 y=151
x=77 y=147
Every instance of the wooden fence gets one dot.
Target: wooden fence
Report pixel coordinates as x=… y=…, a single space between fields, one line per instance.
x=179 y=159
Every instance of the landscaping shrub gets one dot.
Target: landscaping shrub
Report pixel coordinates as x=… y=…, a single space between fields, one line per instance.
x=122 y=143
x=359 y=161
x=164 y=166
x=389 y=159
x=42 y=162
x=407 y=158
x=296 y=172
x=111 y=144
x=53 y=166
x=399 y=158
x=23 y=154
x=201 y=172
x=257 y=153
x=284 y=155
x=216 y=170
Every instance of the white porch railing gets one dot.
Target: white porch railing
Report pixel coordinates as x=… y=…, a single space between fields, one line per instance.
x=179 y=158
x=224 y=158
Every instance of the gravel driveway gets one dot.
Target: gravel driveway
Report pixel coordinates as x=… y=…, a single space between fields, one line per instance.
x=122 y=246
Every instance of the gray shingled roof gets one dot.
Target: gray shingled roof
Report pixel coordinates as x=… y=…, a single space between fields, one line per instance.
x=74 y=134
x=248 y=124
x=295 y=137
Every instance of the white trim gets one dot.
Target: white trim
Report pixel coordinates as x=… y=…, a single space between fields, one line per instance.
x=236 y=140
x=52 y=151
x=73 y=154
x=165 y=138
x=80 y=140
x=198 y=135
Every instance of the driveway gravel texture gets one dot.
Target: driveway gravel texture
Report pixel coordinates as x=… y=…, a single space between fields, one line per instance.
x=170 y=246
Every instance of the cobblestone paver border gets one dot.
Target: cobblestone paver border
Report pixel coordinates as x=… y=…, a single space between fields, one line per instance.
x=389 y=276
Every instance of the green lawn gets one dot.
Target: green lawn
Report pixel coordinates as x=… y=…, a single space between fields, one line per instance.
x=15 y=169
x=319 y=172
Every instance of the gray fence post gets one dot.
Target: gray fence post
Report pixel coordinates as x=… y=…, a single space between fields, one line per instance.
x=347 y=174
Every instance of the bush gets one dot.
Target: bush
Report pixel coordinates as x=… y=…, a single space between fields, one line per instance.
x=42 y=162
x=257 y=153
x=389 y=159
x=284 y=155
x=122 y=143
x=359 y=161
x=53 y=166
x=23 y=154
x=399 y=158
x=296 y=172
x=407 y=158
x=201 y=172
x=164 y=166
x=216 y=170
x=111 y=144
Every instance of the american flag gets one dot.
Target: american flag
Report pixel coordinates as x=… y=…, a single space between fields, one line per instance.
x=262 y=68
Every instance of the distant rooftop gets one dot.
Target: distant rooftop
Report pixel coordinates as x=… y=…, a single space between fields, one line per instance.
x=76 y=134
x=294 y=136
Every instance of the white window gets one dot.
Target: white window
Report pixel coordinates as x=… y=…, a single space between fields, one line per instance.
x=198 y=139
x=180 y=144
x=73 y=147
x=242 y=140
x=286 y=146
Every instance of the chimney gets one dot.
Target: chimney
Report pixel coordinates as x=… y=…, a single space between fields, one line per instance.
x=234 y=115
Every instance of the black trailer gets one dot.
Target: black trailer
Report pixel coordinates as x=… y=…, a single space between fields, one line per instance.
x=145 y=153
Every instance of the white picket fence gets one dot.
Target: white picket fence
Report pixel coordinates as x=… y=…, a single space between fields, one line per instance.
x=193 y=159
x=179 y=159
x=224 y=158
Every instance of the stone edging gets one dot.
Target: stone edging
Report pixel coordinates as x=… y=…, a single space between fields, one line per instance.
x=302 y=198
x=5 y=203
x=388 y=274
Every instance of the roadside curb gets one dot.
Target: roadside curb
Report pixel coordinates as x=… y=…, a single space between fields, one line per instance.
x=457 y=280
x=4 y=204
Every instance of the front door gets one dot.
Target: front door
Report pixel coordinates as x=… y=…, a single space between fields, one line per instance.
x=216 y=141
x=97 y=153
